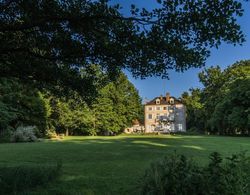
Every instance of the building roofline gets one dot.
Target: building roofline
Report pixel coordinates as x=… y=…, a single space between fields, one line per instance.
x=163 y=101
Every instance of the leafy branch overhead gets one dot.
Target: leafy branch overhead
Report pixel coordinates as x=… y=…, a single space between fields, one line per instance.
x=51 y=40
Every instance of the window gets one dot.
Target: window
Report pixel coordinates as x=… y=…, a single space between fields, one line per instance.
x=157 y=116
x=165 y=108
x=150 y=116
x=180 y=127
x=172 y=127
x=158 y=108
x=157 y=101
x=171 y=101
x=150 y=108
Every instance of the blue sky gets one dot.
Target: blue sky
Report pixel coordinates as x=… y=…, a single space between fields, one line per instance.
x=180 y=82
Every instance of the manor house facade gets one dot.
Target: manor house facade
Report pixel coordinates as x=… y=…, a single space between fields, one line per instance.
x=165 y=114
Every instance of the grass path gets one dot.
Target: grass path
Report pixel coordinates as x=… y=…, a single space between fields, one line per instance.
x=112 y=165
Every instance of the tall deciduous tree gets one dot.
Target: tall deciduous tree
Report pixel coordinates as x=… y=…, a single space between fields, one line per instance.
x=21 y=104
x=232 y=114
x=224 y=99
x=50 y=41
x=69 y=115
x=194 y=110
x=117 y=106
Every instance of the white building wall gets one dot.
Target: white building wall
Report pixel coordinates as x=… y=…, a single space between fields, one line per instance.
x=154 y=110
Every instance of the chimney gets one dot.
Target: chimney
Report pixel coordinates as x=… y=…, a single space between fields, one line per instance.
x=161 y=97
x=167 y=97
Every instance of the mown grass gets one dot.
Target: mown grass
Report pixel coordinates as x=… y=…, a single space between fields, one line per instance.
x=111 y=165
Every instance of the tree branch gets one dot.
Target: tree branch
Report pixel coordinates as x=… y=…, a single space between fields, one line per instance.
x=42 y=21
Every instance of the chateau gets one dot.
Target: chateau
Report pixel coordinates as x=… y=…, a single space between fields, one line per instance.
x=165 y=114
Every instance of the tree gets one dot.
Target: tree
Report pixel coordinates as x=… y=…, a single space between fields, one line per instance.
x=69 y=115
x=232 y=113
x=222 y=106
x=106 y=119
x=117 y=105
x=212 y=79
x=217 y=84
x=194 y=110
x=51 y=41
x=21 y=104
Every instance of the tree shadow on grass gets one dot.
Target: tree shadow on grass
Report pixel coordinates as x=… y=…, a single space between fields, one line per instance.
x=147 y=142
x=112 y=165
x=115 y=165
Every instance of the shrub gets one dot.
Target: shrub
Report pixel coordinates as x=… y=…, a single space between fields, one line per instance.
x=195 y=131
x=51 y=133
x=21 y=178
x=172 y=175
x=177 y=175
x=24 y=134
x=231 y=177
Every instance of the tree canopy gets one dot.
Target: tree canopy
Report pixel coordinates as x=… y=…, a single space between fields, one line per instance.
x=115 y=106
x=222 y=106
x=51 y=41
x=21 y=104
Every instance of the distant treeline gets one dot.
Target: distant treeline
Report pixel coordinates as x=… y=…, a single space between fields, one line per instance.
x=52 y=109
x=223 y=105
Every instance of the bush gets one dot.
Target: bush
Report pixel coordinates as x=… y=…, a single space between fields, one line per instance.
x=51 y=133
x=24 y=134
x=177 y=175
x=21 y=178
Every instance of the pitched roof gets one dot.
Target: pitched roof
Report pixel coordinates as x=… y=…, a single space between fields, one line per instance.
x=163 y=101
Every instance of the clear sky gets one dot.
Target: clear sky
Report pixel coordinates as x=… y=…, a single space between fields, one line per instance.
x=179 y=82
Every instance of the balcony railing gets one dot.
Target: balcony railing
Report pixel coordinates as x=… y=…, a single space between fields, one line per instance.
x=168 y=118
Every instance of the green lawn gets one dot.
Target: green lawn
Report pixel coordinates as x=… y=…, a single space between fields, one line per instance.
x=112 y=165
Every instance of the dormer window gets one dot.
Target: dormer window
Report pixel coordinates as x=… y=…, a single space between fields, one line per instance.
x=157 y=101
x=171 y=101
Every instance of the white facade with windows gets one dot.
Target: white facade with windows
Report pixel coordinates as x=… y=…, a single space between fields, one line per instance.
x=165 y=114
